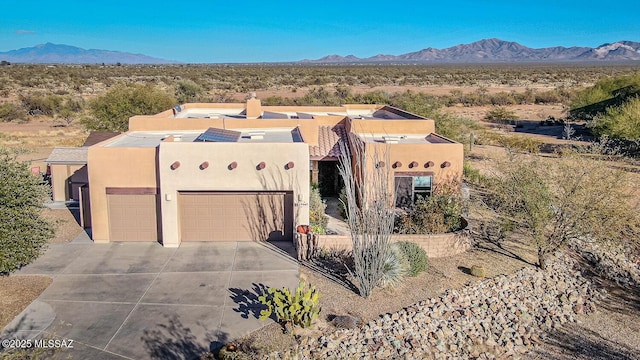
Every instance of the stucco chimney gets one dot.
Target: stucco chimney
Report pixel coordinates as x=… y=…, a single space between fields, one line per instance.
x=254 y=107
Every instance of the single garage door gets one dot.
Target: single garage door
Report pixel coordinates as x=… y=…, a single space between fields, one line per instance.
x=132 y=217
x=235 y=216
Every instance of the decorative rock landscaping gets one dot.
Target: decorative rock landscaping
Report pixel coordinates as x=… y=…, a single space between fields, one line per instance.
x=494 y=318
x=613 y=262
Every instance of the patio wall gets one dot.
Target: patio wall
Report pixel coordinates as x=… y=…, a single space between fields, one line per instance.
x=436 y=245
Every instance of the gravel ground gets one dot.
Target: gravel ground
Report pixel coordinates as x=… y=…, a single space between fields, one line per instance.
x=17 y=292
x=337 y=299
x=67 y=227
x=611 y=332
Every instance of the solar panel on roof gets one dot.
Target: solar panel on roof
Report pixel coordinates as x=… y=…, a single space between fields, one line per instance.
x=219 y=135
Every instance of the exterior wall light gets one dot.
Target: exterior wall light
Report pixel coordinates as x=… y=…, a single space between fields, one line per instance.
x=204 y=165
x=445 y=164
x=261 y=166
x=413 y=164
x=232 y=166
x=380 y=164
x=397 y=164
x=429 y=164
x=289 y=165
x=175 y=165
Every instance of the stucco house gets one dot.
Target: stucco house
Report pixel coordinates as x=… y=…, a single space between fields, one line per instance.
x=242 y=171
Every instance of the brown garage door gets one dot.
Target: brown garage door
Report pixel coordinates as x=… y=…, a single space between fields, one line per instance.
x=132 y=218
x=235 y=216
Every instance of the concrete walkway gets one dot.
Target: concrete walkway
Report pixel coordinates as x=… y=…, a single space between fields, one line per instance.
x=143 y=301
x=337 y=224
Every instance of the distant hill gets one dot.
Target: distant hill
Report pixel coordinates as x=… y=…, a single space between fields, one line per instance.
x=64 y=54
x=496 y=50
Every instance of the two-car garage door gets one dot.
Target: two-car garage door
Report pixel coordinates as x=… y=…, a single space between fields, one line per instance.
x=204 y=216
x=224 y=216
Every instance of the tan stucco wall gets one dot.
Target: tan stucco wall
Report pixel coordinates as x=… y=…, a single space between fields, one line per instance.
x=308 y=127
x=116 y=167
x=422 y=153
x=368 y=126
x=217 y=177
x=60 y=176
x=435 y=245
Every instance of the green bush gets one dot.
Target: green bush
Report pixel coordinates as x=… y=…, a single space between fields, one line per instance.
x=318 y=220
x=471 y=174
x=23 y=231
x=188 y=91
x=415 y=254
x=10 y=112
x=111 y=111
x=500 y=114
x=514 y=142
x=619 y=122
x=604 y=89
x=37 y=104
x=299 y=308
x=438 y=213
x=396 y=267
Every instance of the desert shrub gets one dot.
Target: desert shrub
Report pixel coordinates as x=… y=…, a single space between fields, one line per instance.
x=455 y=128
x=604 y=89
x=188 y=91
x=37 y=104
x=23 y=231
x=471 y=174
x=318 y=220
x=556 y=202
x=301 y=307
x=10 y=112
x=415 y=254
x=111 y=111
x=439 y=213
x=396 y=267
x=502 y=98
x=513 y=142
x=619 y=122
x=500 y=114
x=521 y=143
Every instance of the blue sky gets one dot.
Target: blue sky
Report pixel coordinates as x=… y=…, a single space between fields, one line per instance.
x=257 y=31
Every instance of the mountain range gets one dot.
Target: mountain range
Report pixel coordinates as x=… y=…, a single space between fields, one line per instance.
x=64 y=54
x=496 y=50
x=483 y=51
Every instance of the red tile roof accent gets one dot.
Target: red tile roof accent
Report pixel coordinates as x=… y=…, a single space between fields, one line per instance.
x=328 y=138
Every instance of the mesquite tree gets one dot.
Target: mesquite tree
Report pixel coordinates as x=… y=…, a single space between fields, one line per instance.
x=370 y=205
x=571 y=197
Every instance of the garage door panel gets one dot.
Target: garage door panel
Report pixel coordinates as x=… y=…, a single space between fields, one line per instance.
x=132 y=217
x=232 y=217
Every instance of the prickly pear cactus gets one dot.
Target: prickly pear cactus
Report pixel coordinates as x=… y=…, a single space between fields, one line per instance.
x=301 y=307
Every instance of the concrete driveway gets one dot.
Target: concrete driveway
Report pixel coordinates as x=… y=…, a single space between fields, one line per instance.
x=142 y=301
